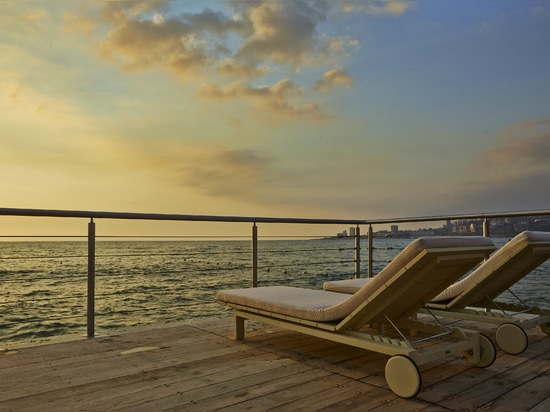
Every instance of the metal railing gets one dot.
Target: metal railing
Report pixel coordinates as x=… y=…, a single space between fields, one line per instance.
x=357 y=223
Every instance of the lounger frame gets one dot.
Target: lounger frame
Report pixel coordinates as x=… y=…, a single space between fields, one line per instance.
x=460 y=340
x=477 y=301
x=396 y=303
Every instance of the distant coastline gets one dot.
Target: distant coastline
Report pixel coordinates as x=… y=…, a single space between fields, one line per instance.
x=498 y=227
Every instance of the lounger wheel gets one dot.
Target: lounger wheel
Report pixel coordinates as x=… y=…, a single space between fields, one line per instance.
x=488 y=353
x=403 y=376
x=545 y=327
x=511 y=338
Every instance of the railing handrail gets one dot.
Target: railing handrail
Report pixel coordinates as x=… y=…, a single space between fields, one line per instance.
x=173 y=217
x=258 y=219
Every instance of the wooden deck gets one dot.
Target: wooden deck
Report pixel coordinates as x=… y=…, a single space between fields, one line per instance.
x=196 y=366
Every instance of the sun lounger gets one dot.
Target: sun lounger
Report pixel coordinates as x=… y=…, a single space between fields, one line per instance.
x=421 y=271
x=474 y=297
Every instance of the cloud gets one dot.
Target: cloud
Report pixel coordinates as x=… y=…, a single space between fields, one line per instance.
x=512 y=175
x=523 y=149
x=395 y=7
x=142 y=35
x=232 y=68
x=282 y=32
x=174 y=43
x=283 y=97
x=27 y=17
x=25 y=104
x=227 y=173
x=44 y=132
x=332 y=79
x=74 y=23
x=242 y=41
x=516 y=193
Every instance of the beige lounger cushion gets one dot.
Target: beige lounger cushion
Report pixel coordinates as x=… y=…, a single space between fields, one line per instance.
x=349 y=286
x=307 y=304
x=469 y=282
x=323 y=306
x=497 y=260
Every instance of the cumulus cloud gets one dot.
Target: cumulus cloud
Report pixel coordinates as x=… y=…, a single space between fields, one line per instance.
x=237 y=44
x=332 y=79
x=179 y=43
x=232 y=68
x=282 y=32
x=282 y=97
x=395 y=7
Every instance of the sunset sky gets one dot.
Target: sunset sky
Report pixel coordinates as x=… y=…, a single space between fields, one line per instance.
x=326 y=109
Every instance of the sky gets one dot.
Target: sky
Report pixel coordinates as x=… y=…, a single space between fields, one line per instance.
x=342 y=109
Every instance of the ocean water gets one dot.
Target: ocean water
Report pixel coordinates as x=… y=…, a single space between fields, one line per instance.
x=43 y=285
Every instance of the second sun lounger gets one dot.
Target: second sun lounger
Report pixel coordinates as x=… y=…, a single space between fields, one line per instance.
x=475 y=296
x=421 y=271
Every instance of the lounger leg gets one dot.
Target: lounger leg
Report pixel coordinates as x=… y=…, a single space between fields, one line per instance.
x=239 y=328
x=414 y=332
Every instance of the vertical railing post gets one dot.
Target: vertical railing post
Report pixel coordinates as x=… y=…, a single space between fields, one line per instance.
x=91 y=279
x=254 y=255
x=357 y=252
x=486 y=227
x=370 y=251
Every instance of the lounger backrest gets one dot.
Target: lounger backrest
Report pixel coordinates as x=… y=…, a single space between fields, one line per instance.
x=421 y=271
x=503 y=269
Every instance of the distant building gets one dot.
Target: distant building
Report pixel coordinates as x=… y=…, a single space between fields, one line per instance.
x=352 y=231
x=342 y=234
x=394 y=230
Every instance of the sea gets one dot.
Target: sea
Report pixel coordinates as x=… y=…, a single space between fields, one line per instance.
x=43 y=284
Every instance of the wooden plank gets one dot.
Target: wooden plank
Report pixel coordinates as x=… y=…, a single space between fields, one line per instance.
x=188 y=388
x=446 y=383
x=525 y=397
x=256 y=393
x=52 y=352
x=501 y=381
x=543 y=406
x=227 y=385
x=87 y=367
x=109 y=388
x=376 y=399
x=198 y=367
x=326 y=394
